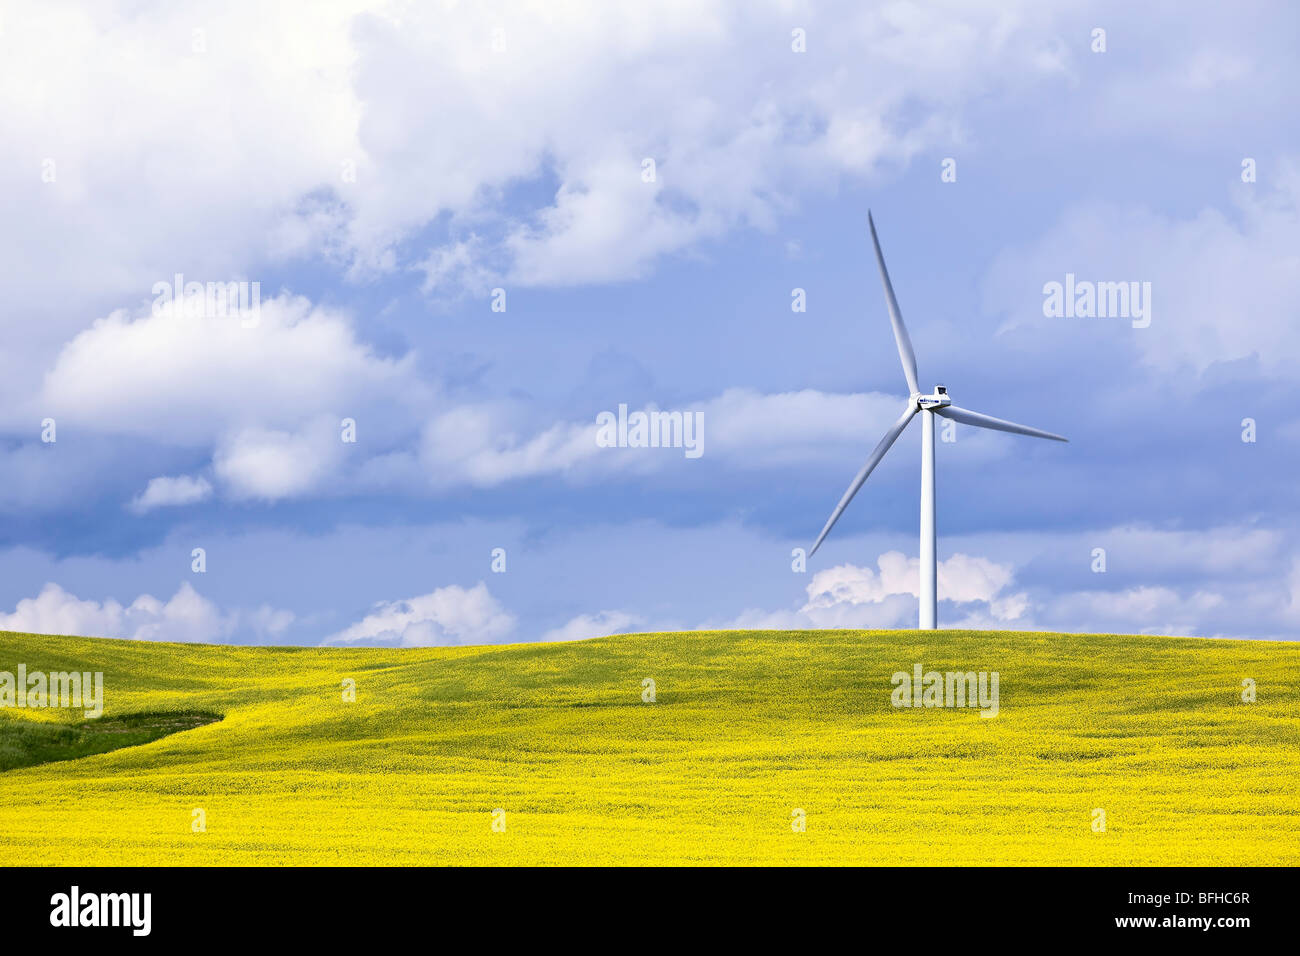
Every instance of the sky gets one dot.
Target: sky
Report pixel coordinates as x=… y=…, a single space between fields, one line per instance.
x=463 y=231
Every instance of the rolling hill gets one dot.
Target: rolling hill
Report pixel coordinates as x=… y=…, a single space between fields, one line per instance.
x=747 y=730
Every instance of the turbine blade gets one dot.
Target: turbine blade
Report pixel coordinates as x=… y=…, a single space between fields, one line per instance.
x=967 y=417
x=882 y=446
x=895 y=317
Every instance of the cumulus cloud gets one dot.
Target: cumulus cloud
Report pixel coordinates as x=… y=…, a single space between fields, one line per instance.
x=600 y=624
x=187 y=379
x=1207 y=271
x=265 y=464
x=164 y=492
x=479 y=445
x=258 y=121
x=848 y=595
x=1237 y=582
x=962 y=579
x=585 y=83
x=756 y=429
x=267 y=401
x=1143 y=610
x=447 y=615
x=486 y=445
x=457 y=615
x=186 y=617
x=351 y=143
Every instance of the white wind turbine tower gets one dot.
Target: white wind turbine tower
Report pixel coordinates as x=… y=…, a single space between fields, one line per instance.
x=937 y=403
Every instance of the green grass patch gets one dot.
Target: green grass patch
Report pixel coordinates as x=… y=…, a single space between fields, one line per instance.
x=25 y=743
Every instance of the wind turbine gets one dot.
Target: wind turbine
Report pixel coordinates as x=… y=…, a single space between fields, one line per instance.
x=936 y=403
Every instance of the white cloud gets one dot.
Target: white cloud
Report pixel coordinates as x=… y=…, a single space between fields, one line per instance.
x=1143 y=610
x=1223 y=287
x=164 y=491
x=755 y=619
x=962 y=579
x=851 y=584
x=162 y=375
x=179 y=156
x=448 y=615
x=851 y=596
x=600 y=624
x=264 y=464
x=754 y=429
x=345 y=128
x=584 y=84
x=186 y=617
x=478 y=445
x=268 y=401
x=457 y=266
x=486 y=445
x=266 y=621
x=1229 y=581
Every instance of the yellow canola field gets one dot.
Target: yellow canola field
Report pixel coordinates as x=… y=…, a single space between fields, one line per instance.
x=760 y=747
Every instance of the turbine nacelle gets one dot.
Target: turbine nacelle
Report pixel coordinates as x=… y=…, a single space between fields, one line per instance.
x=936 y=400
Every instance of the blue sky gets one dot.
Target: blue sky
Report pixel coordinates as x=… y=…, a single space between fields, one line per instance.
x=380 y=171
